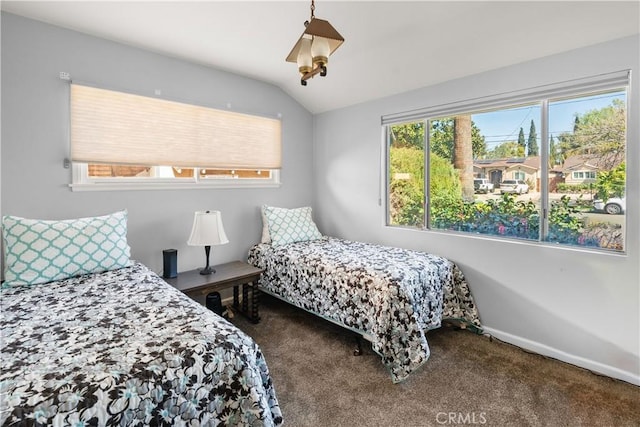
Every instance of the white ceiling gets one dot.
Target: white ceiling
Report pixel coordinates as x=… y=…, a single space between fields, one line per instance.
x=391 y=47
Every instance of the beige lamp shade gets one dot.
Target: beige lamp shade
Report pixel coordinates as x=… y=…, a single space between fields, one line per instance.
x=326 y=37
x=207 y=229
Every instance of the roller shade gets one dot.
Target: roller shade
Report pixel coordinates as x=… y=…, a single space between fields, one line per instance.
x=112 y=127
x=597 y=83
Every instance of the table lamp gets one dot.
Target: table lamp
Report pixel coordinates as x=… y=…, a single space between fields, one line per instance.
x=207 y=231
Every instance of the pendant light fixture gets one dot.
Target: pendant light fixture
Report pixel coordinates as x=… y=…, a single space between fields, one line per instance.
x=312 y=50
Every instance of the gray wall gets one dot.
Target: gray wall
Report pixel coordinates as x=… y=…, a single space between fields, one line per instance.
x=577 y=306
x=35 y=142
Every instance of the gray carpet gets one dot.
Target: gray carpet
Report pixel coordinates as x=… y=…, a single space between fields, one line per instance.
x=468 y=380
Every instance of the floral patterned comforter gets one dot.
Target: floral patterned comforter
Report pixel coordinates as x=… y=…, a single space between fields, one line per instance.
x=125 y=348
x=393 y=295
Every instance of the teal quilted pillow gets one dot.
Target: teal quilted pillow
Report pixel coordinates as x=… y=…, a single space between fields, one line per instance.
x=39 y=251
x=290 y=225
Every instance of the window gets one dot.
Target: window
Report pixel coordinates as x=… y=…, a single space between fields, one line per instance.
x=584 y=175
x=532 y=152
x=121 y=140
x=93 y=177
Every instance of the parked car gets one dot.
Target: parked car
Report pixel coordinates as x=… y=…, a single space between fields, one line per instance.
x=514 y=186
x=482 y=185
x=613 y=206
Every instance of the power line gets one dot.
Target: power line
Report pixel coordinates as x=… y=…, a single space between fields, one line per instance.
x=589 y=99
x=508 y=137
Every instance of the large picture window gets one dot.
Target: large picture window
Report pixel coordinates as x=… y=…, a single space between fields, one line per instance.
x=551 y=169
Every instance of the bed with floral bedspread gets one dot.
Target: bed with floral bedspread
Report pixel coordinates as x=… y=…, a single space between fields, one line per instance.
x=391 y=296
x=125 y=348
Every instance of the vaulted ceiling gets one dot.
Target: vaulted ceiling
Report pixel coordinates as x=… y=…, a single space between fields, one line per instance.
x=391 y=47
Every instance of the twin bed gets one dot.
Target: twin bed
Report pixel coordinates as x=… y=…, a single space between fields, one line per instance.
x=390 y=296
x=125 y=348
x=113 y=344
x=90 y=337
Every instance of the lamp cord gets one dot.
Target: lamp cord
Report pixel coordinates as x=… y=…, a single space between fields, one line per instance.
x=313 y=7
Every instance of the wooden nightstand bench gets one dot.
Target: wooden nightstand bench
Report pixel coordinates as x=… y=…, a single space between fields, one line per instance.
x=236 y=273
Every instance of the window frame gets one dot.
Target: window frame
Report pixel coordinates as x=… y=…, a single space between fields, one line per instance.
x=586 y=174
x=82 y=182
x=543 y=95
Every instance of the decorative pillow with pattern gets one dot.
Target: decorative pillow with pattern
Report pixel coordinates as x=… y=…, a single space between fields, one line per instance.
x=290 y=225
x=40 y=251
x=266 y=238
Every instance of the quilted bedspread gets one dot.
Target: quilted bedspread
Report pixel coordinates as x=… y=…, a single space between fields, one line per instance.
x=125 y=348
x=393 y=295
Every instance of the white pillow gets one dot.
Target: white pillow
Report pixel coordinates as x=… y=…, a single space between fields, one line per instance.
x=290 y=225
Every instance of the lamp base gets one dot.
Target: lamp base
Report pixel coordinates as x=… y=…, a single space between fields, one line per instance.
x=207 y=270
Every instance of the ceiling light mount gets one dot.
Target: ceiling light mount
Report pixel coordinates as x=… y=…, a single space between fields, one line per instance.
x=312 y=50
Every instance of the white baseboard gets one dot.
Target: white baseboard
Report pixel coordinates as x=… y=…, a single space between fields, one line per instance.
x=554 y=353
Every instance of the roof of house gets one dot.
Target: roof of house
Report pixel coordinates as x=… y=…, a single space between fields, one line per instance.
x=531 y=162
x=582 y=161
x=571 y=163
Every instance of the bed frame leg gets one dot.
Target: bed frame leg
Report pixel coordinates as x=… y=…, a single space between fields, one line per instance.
x=358 y=350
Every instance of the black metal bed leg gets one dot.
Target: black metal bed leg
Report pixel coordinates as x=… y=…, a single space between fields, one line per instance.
x=358 y=350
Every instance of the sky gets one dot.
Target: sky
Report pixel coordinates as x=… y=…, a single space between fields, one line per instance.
x=504 y=125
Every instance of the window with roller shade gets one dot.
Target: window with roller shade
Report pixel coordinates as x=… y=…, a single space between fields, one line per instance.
x=122 y=140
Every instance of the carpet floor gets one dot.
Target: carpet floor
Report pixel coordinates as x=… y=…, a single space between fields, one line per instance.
x=468 y=380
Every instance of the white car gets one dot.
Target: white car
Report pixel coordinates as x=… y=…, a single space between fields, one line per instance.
x=517 y=186
x=613 y=206
x=482 y=185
